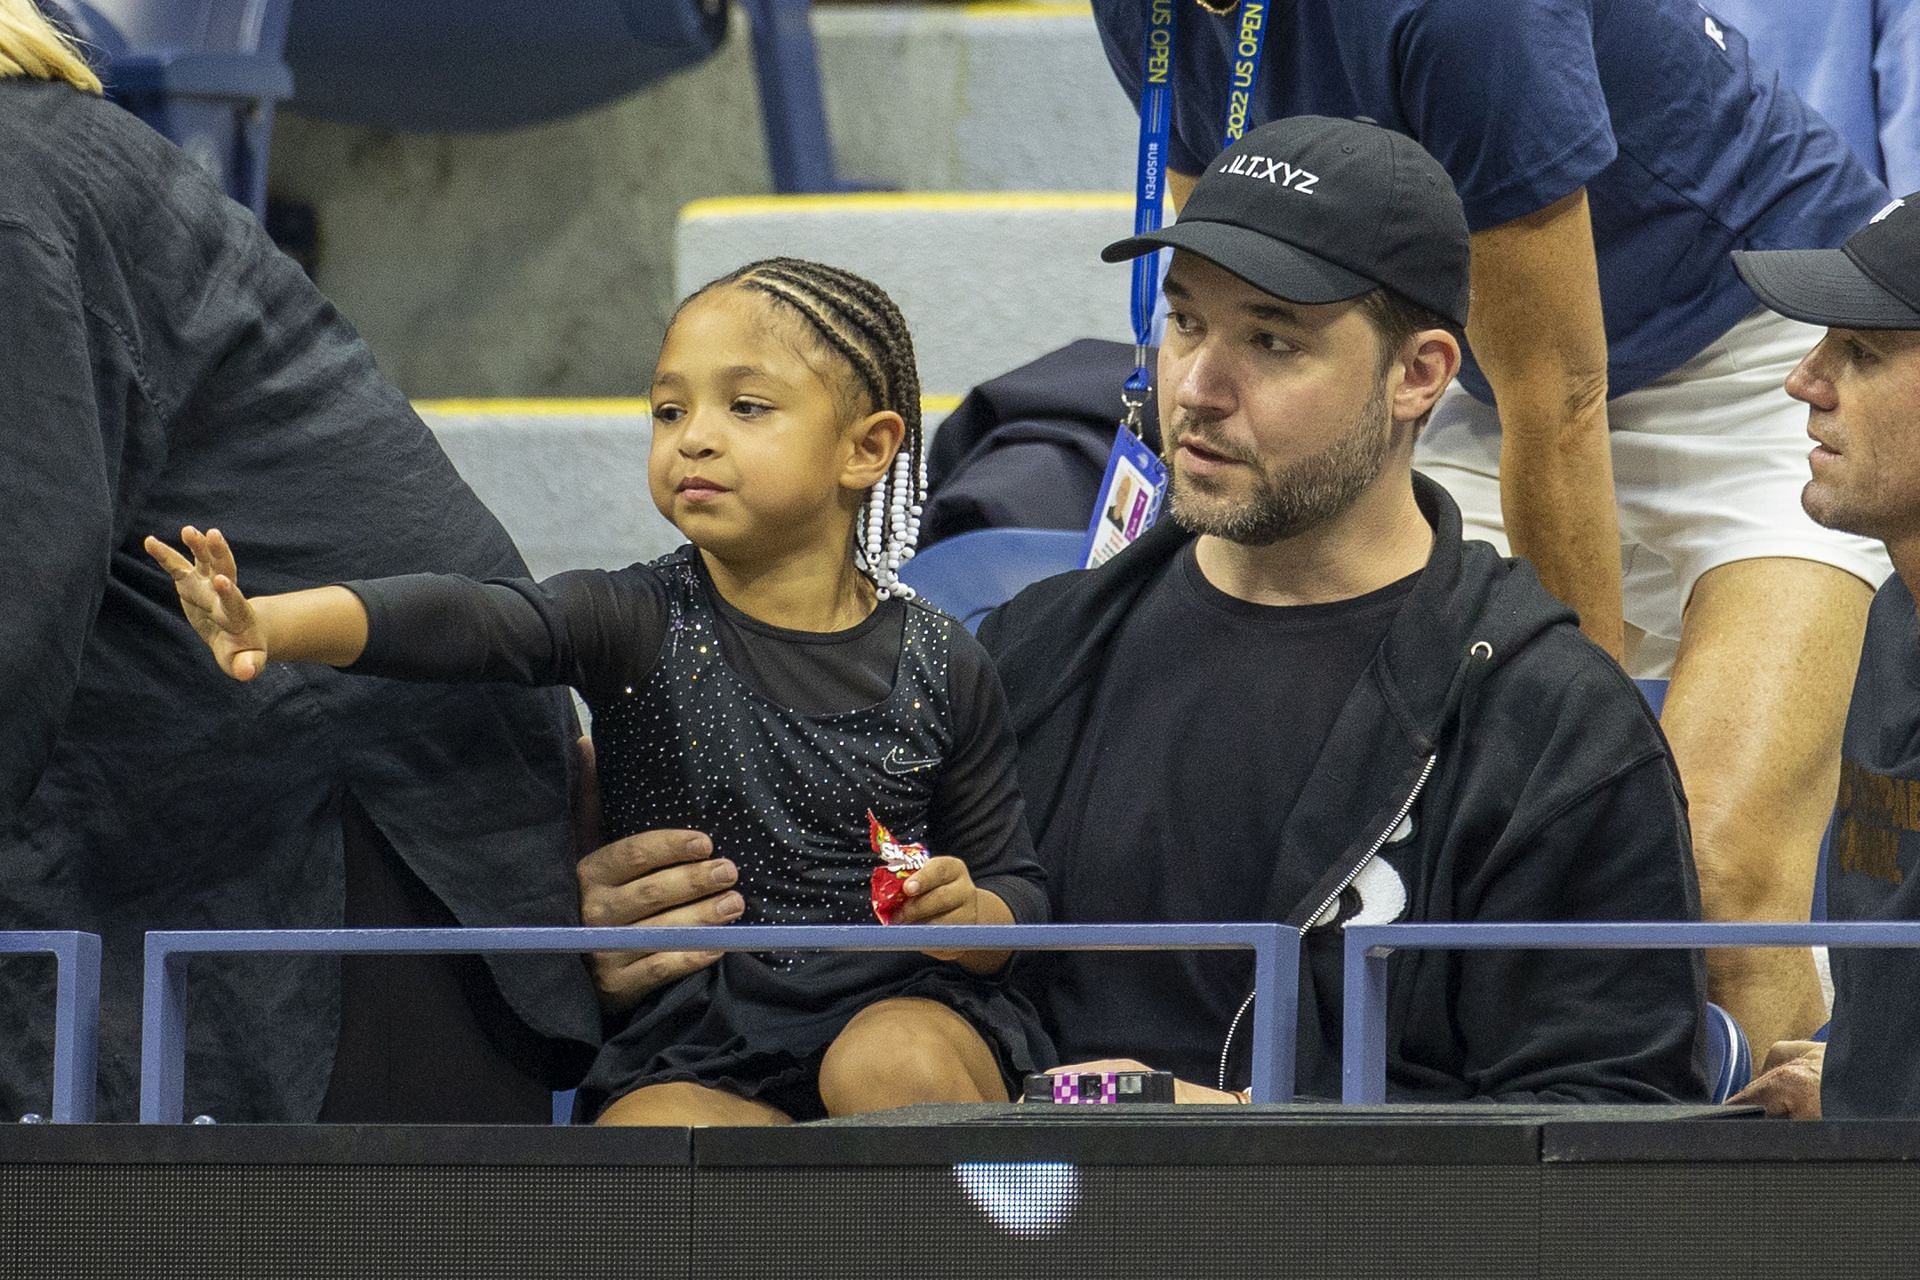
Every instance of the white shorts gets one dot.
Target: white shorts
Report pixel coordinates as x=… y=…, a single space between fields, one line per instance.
x=1708 y=465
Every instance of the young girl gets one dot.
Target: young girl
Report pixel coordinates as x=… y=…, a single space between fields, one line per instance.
x=770 y=685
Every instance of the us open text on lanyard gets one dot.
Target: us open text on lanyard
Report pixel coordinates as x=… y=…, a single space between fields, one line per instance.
x=1136 y=479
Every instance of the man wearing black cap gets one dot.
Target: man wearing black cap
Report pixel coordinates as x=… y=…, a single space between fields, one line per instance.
x=1618 y=418
x=1862 y=389
x=1305 y=698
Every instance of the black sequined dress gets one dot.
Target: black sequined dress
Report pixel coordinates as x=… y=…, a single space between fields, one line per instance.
x=785 y=797
x=686 y=740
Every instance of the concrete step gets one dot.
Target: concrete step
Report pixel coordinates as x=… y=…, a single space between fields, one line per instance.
x=986 y=281
x=539 y=262
x=568 y=478
x=974 y=97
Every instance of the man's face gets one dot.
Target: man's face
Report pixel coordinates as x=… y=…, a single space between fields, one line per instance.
x=1862 y=388
x=1273 y=414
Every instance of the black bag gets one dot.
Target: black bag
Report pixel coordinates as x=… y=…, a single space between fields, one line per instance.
x=1028 y=449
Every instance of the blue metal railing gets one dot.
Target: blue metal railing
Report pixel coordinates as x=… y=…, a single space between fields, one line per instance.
x=1363 y=1048
x=76 y=1014
x=163 y=1043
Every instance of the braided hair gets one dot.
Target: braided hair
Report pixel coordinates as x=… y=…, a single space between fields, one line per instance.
x=855 y=318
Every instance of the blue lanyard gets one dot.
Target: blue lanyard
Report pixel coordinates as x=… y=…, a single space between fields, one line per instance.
x=1249 y=43
x=1156 y=128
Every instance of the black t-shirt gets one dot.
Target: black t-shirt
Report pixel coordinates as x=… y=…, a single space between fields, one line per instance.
x=1209 y=719
x=1873 y=873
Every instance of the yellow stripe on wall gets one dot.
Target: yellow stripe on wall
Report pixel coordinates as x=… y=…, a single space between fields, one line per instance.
x=588 y=407
x=905 y=202
x=1037 y=9
x=582 y=407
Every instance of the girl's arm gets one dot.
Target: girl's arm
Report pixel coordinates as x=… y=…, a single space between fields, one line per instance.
x=595 y=631
x=326 y=624
x=977 y=811
x=977 y=814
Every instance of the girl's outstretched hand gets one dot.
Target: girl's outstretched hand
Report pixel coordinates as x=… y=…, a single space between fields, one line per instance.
x=212 y=602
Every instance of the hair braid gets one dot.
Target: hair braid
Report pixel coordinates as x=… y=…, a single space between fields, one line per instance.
x=856 y=319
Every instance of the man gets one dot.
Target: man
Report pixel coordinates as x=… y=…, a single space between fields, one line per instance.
x=1861 y=386
x=1609 y=156
x=1325 y=707
x=1304 y=698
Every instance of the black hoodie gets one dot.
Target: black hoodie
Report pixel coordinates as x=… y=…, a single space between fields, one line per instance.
x=1504 y=767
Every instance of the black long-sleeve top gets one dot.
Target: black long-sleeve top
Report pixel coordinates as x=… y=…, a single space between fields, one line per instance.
x=603 y=632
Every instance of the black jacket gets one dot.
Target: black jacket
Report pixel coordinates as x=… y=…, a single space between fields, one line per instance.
x=1502 y=766
x=161 y=362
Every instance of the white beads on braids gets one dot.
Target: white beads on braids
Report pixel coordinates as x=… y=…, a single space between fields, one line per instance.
x=871 y=543
x=893 y=524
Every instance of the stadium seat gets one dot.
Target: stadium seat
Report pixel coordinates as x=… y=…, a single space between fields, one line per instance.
x=1655 y=692
x=440 y=66
x=971 y=574
x=205 y=73
x=455 y=66
x=568 y=478
x=1729 y=1060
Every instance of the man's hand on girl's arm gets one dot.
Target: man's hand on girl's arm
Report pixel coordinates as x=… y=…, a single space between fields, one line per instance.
x=653 y=878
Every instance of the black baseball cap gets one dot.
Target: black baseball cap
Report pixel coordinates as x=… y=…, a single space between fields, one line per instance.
x=1870 y=282
x=1313 y=209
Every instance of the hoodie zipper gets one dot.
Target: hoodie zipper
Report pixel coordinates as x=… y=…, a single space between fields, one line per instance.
x=1379 y=843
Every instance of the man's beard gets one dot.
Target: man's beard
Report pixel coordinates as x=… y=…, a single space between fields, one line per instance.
x=1289 y=500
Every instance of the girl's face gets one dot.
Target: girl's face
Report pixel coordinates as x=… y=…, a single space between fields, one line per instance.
x=753 y=452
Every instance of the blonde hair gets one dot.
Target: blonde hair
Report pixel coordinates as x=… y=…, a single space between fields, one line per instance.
x=33 y=47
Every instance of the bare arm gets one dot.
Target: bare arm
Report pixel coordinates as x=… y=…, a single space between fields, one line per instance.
x=1537 y=331
x=326 y=624
x=1179 y=187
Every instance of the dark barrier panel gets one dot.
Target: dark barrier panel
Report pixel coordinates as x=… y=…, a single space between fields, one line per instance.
x=1115 y=1199
x=1839 y=1198
x=103 y=1202
x=949 y=1192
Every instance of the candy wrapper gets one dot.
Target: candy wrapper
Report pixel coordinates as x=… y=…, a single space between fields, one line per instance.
x=890 y=881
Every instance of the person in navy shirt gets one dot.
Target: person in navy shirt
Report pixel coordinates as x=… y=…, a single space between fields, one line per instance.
x=1609 y=158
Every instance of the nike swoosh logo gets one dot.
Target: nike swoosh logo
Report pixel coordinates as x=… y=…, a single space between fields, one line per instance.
x=898 y=765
